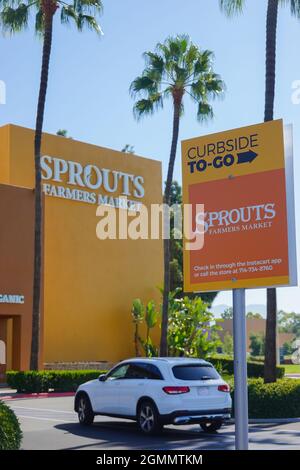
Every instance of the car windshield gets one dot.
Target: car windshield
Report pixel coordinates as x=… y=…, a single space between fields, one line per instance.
x=195 y=372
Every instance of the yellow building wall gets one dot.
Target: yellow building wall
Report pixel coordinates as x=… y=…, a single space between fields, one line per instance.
x=89 y=283
x=4 y=154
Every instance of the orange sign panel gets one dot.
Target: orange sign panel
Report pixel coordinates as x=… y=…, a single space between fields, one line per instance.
x=239 y=177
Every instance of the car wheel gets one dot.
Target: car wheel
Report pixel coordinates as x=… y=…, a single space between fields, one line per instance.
x=148 y=418
x=85 y=412
x=213 y=426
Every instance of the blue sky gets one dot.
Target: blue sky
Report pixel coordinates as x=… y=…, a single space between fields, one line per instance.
x=90 y=77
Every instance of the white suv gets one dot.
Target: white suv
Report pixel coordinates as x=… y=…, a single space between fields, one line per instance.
x=157 y=391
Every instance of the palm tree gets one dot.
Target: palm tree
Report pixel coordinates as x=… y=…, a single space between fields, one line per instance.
x=176 y=68
x=236 y=6
x=14 y=17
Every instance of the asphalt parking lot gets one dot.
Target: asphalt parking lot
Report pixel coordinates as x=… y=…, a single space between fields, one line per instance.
x=50 y=423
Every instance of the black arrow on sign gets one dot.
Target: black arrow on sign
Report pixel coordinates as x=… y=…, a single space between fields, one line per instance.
x=247 y=157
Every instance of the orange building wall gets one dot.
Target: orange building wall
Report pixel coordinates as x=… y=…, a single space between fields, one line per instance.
x=16 y=272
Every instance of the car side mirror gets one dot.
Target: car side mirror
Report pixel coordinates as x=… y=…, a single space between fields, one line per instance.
x=102 y=377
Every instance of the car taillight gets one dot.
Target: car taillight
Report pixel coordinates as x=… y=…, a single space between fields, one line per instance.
x=176 y=390
x=224 y=388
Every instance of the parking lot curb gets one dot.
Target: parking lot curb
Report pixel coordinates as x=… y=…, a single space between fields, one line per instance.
x=270 y=421
x=27 y=396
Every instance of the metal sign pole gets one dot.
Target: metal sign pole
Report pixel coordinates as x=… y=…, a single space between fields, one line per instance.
x=240 y=370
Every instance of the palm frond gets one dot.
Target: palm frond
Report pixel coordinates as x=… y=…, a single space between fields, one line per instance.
x=214 y=84
x=174 y=47
x=294 y=5
x=87 y=7
x=204 y=112
x=181 y=74
x=154 y=62
x=97 y=4
x=67 y=13
x=181 y=111
x=143 y=85
x=198 y=90
x=232 y=7
x=14 y=19
x=10 y=3
x=14 y=14
x=39 y=21
x=84 y=13
x=203 y=62
x=88 y=21
x=192 y=53
x=168 y=91
x=147 y=106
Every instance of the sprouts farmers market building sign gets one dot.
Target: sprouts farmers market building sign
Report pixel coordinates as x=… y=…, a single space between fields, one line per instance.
x=84 y=182
x=88 y=284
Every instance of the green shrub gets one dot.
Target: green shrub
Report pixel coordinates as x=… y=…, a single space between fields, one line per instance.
x=45 y=381
x=10 y=431
x=255 y=369
x=257 y=359
x=275 y=400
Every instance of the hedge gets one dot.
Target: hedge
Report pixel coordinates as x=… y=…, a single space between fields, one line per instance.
x=10 y=431
x=275 y=400
x=50 y=381
x=225 y=365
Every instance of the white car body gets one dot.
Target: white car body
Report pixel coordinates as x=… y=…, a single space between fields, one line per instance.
x=177 y=400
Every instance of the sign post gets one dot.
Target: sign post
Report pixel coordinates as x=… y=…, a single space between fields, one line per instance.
x=240 y=370
x=238 y=185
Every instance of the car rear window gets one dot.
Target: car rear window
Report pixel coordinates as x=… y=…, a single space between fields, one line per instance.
x=195 y=372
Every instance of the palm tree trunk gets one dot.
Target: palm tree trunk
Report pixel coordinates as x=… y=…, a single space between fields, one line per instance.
x=166 y=291
x=49 y=8
x=147 y=341
x=271 y=324
x=136 y=340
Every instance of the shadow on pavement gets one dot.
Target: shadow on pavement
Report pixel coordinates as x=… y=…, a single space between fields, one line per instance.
x=120 y=434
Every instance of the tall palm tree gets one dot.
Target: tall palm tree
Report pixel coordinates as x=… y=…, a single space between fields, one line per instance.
x=15 y=16
x=236 y=6
x=176 y=68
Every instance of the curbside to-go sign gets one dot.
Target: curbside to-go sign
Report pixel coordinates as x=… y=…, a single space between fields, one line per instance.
x=244 y=179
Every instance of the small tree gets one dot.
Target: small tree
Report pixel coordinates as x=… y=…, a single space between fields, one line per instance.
x=227 y=314
x=63 y=133
x=193 y=330
x=128 y=149
x=289 y=322
x=251 y=315
x=257 y=344
x=151 y=319
x=228 y=344
x=287 y=348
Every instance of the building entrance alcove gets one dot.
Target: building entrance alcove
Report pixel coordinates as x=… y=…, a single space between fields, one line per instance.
x=10 y=345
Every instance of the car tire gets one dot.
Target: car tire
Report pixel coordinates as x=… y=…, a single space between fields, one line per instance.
x=85 y=412
x=148 y=418
x=212 y=426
